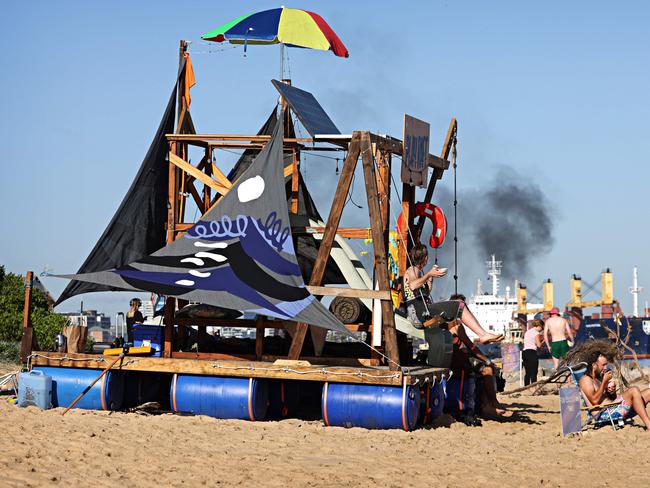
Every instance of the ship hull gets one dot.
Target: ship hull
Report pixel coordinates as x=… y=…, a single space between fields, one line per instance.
x=634 y=331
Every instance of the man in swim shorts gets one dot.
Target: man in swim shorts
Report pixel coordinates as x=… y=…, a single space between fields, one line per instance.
x=559 y=330
x=598 y=387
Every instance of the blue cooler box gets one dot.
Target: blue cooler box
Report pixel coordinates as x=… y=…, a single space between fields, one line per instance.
x=149 y=335
x=35 y=388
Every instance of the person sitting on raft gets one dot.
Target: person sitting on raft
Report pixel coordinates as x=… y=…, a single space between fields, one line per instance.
x=485 y=369
x=420 y=307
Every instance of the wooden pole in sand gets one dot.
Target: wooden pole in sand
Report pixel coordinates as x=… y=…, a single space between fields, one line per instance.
x=27 y=339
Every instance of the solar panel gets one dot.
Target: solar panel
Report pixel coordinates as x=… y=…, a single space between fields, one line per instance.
x=306 y=107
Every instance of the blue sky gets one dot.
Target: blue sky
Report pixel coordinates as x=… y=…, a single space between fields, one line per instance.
x=555 y=92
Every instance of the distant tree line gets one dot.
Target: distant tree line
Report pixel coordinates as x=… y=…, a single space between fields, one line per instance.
x=45 y=322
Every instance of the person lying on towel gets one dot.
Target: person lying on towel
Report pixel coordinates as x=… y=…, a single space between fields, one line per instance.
x=599 y=388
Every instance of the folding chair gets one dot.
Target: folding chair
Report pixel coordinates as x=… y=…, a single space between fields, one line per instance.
x=608 y=414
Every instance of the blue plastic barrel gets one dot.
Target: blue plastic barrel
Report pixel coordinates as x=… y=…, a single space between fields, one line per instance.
x=220 y=397
x=370 y=406
x=35 y=389
x=67 y=383
x=461 y=394
x=437 y=399
x=432 y=401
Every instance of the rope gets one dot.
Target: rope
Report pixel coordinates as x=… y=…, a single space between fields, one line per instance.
x=98 y=359
x=454 y=154
x=323 y=371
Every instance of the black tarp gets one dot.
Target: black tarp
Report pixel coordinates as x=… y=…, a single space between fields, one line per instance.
x=138 y=227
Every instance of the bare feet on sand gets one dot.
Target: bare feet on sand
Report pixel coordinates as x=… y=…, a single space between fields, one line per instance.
x=492 y=413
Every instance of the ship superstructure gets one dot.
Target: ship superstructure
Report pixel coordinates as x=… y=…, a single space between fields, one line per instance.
x=494 y=311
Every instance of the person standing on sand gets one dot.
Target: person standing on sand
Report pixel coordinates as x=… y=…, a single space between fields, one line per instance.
x=532 y=341
x=559 y=330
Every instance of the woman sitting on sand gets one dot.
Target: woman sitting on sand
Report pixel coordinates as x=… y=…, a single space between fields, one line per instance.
x=420 y=307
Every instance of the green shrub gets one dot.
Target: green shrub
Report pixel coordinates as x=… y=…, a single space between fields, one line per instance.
x=9 y=352
x=90 y=344
x=12 y=296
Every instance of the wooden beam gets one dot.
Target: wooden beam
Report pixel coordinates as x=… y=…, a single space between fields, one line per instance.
x=394 y=146
x=170 y=303
x=207 y=166
x=171 y=197
x=347 y=232
x=332 y=225
x=259 y=337
x=236 y=368
x=331 y=361
x=383 y=175
x=405 y=244
x=212 y=356
x=221 y=178
x=349 y=292
x=295 y=175
x=438 y=172
x=381 y=260
x=199 y=175
x=437 y=163
x=27 y=337
x=233 y=137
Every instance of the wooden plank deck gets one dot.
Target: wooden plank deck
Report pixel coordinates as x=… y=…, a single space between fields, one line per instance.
x=281 y=369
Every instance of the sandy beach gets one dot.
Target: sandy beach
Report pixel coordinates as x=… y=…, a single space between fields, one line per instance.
x=42 y=448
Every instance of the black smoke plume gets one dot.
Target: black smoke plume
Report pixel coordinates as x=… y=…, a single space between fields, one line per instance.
x=507 y=215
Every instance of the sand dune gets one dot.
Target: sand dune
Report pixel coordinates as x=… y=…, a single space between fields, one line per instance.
x=42 y=448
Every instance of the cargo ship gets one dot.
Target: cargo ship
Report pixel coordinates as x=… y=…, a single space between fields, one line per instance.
x=634 y=329
x=495 y=312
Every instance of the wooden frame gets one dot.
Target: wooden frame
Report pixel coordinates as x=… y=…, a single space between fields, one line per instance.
x=205 y=182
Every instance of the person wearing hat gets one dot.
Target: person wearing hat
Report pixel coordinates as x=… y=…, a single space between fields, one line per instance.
x=560 y=333
x=133 y=316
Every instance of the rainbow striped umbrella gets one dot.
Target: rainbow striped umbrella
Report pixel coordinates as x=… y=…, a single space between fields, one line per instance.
x=288 y=26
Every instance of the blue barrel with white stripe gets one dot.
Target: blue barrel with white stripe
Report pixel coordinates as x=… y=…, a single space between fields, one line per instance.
x=68 y=383
x=370 y=406
x=220 y=397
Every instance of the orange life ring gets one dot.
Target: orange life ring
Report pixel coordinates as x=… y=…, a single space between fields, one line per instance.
x=437 y=218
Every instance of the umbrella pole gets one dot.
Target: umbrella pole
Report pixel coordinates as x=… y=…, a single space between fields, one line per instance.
x=281 y=61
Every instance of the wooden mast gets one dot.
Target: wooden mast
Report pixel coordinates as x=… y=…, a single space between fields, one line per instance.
x=175 y=148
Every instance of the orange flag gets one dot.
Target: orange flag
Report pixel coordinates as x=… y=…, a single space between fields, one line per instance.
x=189 y=81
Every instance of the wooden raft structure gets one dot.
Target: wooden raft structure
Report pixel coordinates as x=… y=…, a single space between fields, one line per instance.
x=205 y=182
